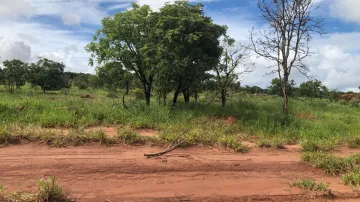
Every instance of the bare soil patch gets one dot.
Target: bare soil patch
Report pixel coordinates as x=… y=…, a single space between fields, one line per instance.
x=148 y=132
x=121 y=173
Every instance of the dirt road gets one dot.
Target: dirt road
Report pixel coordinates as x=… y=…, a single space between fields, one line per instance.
x=121 y=173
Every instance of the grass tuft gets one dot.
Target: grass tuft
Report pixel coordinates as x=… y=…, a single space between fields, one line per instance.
x=352 y=178
x=130 y=137
x=272 y=143
x=310 y=185
x=317 y=145
x=49 y=190
x=330 y=164
x=353 y=142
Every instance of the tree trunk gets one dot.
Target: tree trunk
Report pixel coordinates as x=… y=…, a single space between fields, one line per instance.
x=126 y=93
x=223 y=97
x=196 y=96
x=44 y=90
x=285 y=100
x=176 y=94
x=164 y=98
x=186 y=94
x=147 y=92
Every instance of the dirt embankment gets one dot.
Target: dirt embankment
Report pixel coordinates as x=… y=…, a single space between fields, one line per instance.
x=121 y=173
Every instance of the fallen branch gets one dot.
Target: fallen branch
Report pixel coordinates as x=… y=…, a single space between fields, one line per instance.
x=171 y=147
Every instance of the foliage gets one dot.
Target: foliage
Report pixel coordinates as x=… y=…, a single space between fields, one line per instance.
x=313 y=89
x=14 y=74
x=189 y=45
x=124 y=39
x=48 y=74
x=275 y=87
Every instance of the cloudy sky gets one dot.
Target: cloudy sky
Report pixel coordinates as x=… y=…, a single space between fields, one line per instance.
x=60 y=29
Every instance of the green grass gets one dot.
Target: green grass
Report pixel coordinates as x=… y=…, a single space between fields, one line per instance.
x=330 y=164
x=272 y=143
x=47 y=191
x=352 y=178
x=318 y=145
x=310 y=185
x=320 y=125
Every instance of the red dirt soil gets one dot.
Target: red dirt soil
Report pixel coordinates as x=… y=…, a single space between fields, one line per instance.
x=122 y=173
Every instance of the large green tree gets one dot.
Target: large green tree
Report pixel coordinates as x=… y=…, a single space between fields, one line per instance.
x=313 y=89
x=124 y=38
x=14 y=74
x=275 y=87
x=48 y=74
x=189 y=42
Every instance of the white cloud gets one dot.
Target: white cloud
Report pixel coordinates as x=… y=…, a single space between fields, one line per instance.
x=14 y=8
x=119 y=6
x=11 y=48
x=59 y=45
x=346 y=9
x=71 y=19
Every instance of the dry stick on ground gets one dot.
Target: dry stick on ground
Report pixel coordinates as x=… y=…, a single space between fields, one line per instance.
x=171 y=147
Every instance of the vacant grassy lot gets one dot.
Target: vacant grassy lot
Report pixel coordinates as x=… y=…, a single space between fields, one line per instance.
x=317 y=125
x=63 y=118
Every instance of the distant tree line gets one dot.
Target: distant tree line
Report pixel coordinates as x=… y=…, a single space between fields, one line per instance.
x=46 y=74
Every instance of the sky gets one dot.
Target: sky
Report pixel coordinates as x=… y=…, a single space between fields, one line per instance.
x=60 y=29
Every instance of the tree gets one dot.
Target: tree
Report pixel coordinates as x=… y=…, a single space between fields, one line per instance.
x=286 y=41
x=276 y=87
x=313 y=89
x=114 y=76
x=124 y=39
x=48 y=74
x=81 y=80
x=188 y=41
x=233 y=55
x=14 y=74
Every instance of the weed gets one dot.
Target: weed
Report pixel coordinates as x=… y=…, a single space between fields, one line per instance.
x=2 y=188
x=310 y=185
x=272 y=143
x=352 y=178
x=49 y=190
x=129 y=136
x=317 y=145
x=330 y=164
x=232 y=143
x=353 y=142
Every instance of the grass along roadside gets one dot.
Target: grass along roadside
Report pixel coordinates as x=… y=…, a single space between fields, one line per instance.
x=348 y=168
x=16 y=134
x=47 y=190
x=309 y=121
x=310 y=185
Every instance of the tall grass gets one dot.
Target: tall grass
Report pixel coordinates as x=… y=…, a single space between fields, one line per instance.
x=310 y=122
